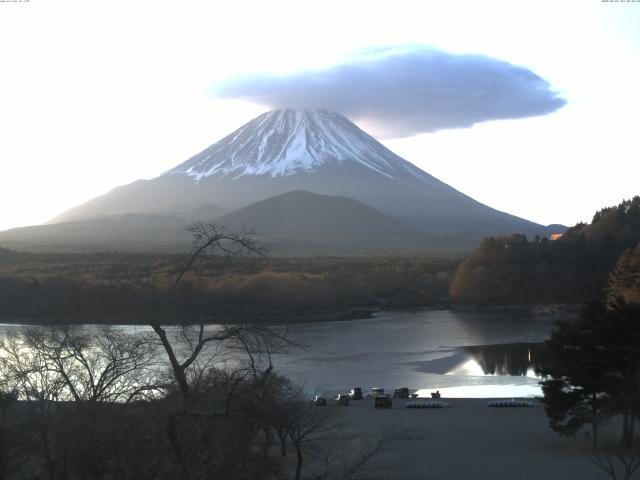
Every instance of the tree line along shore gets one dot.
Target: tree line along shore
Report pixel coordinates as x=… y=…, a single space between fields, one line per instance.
x=510 y=270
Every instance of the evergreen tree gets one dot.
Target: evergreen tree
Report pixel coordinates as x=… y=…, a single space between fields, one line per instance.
x=575 y=386
x=572 y=269
x=596 y=371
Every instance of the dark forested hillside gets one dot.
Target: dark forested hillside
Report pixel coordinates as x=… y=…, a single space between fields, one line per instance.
x=574 y=268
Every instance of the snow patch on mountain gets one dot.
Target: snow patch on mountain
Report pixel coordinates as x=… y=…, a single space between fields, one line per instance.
x=287 y=142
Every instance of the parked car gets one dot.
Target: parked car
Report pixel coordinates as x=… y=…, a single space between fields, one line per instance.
x=320 y=401
x=342 y=399
x=382 y=401
x=376 y=392
x=401 y=393
x=355 y=393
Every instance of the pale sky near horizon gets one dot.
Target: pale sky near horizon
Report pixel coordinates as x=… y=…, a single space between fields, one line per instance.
x=98 y=94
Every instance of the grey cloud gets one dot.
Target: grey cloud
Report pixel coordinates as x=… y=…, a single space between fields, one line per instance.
x=402 y=92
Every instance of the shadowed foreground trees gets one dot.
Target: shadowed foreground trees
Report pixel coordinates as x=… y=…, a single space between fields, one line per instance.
x=238 y=422
x=71 y=388
x=618 y=462
x=179 y=402
x=595 y=374
x=8 y=435
x=102 y=364
x=595 y=379
x=576 y=387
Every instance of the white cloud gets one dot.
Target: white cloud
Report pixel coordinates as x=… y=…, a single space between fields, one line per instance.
x=401 y=91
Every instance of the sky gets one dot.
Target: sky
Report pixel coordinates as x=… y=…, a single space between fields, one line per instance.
x=528 y=107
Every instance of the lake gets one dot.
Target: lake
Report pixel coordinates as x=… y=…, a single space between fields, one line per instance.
x=459 y=353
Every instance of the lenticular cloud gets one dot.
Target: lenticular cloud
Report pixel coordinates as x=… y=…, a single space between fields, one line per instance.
x=405 y=91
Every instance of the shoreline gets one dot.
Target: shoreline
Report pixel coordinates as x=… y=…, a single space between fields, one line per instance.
x=546 y=312
x=275 y=319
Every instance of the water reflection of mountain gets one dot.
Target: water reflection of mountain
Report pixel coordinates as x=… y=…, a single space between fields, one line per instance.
x=516 y=359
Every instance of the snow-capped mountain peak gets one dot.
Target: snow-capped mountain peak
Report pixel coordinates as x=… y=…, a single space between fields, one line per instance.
x=285 y=142
x=315 y=151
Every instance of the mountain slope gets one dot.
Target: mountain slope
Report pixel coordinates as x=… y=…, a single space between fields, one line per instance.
x=296 y=223
x=139 y=232
x=303 y=214
x=301 y=223
x=316 y=151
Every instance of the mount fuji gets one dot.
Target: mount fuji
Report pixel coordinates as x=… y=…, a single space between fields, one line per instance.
x=291 y=150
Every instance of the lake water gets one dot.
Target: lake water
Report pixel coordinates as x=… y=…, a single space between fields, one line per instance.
x=459 y=353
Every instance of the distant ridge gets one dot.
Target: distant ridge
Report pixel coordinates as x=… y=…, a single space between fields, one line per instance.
x=297 y=223
x=136 y=232
x=303 y=214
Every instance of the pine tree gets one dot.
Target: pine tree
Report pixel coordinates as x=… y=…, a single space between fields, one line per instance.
x=596 y=371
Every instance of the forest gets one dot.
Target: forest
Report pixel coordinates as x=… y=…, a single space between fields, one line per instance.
x=573 y=269
x=116 y=287
x=110 y=287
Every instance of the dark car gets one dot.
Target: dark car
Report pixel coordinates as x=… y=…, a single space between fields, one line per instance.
x=320 y=401
x=382 y=401
x=376 y=391
x=355 y=393
x=342 y=399
x=401 y=393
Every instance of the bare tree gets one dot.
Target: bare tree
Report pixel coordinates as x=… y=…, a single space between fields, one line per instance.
x=8 y=434
x=103 y=366
x=343 y=455
x=307 y=424
x=217 y=368
x=184 y=351
x=325 y=448
x=619 y=462
x=26 y=373
x=54 y=369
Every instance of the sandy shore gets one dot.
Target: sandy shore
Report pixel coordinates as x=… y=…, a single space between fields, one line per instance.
x=469 y=441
